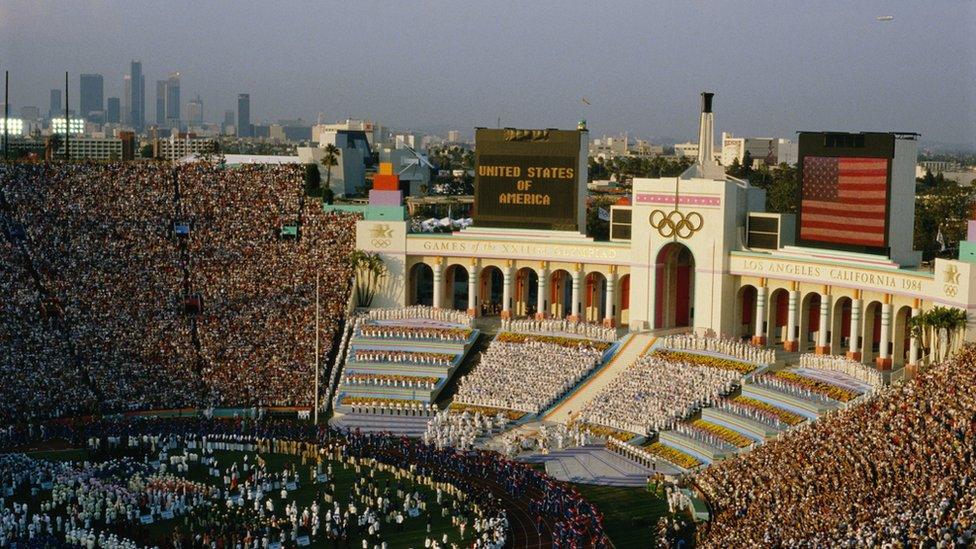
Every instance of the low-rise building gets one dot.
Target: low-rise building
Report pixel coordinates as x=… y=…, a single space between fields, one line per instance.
x=179 y=147
x=353 y=157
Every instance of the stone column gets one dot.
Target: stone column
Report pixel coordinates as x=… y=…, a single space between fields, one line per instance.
x=883 y=360
x=507 y=291
x=438 y=283
x=854 y=349
x=574 y=315
x=759 y=337
x=792 y=344
x=914 y=348
x=541 y=302
x=823 y=346
x=473 y=288
x=608 y=306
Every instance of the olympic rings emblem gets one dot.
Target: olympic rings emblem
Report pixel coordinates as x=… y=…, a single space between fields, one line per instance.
x=676 y=223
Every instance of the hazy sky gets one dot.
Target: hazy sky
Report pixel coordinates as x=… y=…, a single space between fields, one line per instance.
x=776 y=67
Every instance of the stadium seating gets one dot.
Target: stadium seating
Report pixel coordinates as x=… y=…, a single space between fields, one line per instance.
x=109 y=312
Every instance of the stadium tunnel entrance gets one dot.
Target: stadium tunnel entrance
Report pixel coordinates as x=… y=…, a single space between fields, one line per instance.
x=674 y=287
x=492 y=291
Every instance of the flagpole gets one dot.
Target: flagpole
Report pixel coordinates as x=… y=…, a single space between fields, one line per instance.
x=316 y=412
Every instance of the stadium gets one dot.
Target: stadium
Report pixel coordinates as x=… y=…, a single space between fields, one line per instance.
x=196 y=355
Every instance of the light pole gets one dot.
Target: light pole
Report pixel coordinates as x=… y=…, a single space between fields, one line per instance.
x=316 y=411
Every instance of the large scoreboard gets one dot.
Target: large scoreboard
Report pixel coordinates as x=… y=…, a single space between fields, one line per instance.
x=530 y=179
x=845 y=190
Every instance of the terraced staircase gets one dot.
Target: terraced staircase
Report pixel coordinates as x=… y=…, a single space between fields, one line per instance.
x=807 y=408
x=411 y=426
x=743 y=425
x=593 y=464
x=752 y=429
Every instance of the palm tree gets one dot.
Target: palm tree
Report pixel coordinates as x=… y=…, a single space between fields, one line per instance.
x=330 y=159
x=369 y=269
x=928 y=327
x=53 y=144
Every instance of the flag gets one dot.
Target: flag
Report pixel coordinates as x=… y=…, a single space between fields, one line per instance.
x=604 y=215
x=940 y=240
x=845 y=200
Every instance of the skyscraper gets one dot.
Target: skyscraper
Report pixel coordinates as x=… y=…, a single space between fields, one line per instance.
x=127 y=101
x=243 y=115
x=228 y=120
x=194 y=112
x=160 y=103
x=112 y=111
x=91 y=88
x=173 y=100
x=137 y=96
x=55 y=110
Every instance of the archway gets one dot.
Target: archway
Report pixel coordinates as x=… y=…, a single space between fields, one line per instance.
x=625 y=300
x=744 y=324
x=456 y=277
x=674 y=303
x=560 y=294
x=492 y=290
x=871 y=342
x=421 y=286
x=809 y=321
x=778 y=315
x=902 y=337
x=594 y=296
x=840 y=327
x=526 y=291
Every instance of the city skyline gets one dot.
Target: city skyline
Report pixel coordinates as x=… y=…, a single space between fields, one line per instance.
x=776 y=69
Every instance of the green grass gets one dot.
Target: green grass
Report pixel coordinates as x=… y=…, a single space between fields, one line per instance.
x=629 y=514
x=414 y=528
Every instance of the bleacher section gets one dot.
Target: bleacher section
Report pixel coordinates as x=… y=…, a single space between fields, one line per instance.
x=530 y=373
x=400 y=365
x=768 y=403
x=781 y=400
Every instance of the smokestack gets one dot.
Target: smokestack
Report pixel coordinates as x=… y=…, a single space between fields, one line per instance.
x=706 y=131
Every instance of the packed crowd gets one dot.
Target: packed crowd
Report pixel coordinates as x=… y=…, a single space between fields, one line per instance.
x=257 y=329
x=246 y=505
x=655 y=392
x=96 y=281
x=414 y=312
x=895 y=471
x=526 y=376
x=556 y=326
x=724 y=346
x=844 y=365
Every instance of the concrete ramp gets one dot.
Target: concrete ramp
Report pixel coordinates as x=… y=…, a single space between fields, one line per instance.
x=635 y=346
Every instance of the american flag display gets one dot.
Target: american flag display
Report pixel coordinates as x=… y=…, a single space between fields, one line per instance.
x=844 y=200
